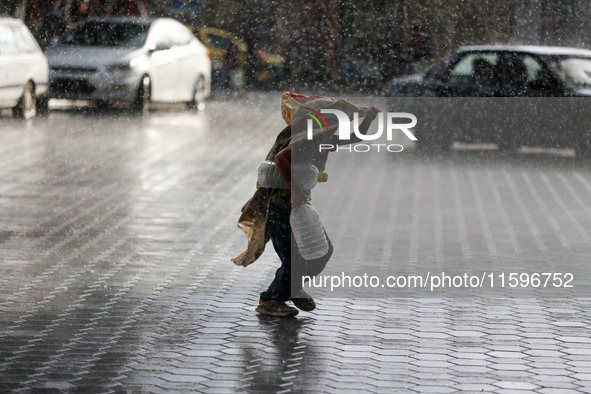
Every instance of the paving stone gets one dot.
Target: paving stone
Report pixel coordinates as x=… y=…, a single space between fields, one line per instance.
x=548 y=390
x=574 y=339
x=509 y=367
x=475 y=387
x=433 y=389
x=553 y=381
x=468 y=369
x=469 y=355
x=470 y=362
x=499 y=354
x=516 y=385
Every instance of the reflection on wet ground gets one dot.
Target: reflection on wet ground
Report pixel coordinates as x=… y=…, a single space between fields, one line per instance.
x=115 y=275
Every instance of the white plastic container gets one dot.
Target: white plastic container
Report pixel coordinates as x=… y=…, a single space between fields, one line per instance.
x=308 y=232
x=269 y=176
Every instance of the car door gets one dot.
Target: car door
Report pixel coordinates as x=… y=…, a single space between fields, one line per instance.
x=11 y=75
x=32 y=62
x=523 y=75
x=162 y=64
x=185 y=71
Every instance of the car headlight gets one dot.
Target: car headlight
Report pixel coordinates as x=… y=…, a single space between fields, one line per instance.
x=121 y=67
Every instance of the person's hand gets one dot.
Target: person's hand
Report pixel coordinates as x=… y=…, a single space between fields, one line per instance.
x=298 y=198
x=371 y=113
x=374 y=110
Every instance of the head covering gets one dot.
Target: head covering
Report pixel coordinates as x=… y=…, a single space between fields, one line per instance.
x=290 y=102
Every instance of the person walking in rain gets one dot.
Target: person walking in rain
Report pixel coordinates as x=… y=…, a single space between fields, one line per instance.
x=266 y=215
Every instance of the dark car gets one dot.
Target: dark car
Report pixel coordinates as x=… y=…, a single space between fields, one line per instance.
x=501 y=77
x=503 y=71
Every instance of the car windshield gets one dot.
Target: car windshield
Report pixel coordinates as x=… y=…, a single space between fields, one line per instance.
x=576 y=72
x=107 y=34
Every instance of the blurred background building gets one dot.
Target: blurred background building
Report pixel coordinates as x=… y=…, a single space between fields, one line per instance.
x=342 y=40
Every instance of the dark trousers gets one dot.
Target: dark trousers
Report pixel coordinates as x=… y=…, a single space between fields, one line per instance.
x=284 y=243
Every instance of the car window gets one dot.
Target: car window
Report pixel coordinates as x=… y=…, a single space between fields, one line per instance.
x=523 y=75
x=24 y=42
x=466 y=65
x=475 y=67
x=107 y=34
x=7 y=42
x=515 y=74
x=216 y=41
x=533 y=67
x=576 y=72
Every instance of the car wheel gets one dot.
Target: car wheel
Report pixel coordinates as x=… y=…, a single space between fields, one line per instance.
x=198 y=102
x=103 y=105
x=43 y=106
x=583 y=150
x=140 y=105
x=26 y=107
x=507 y=145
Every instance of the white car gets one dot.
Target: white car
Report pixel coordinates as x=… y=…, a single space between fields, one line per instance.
x=23 y=69
x=130 y=60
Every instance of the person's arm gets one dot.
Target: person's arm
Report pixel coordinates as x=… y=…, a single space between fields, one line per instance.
x=363 y=128
x=283 y=162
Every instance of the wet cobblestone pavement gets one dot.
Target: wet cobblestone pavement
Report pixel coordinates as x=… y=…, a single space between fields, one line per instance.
x=116 y=235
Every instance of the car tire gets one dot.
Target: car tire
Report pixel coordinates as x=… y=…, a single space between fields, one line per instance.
x=43 y=106
x=583 y=150
x=507 y=145
x=142 y=100
x=103 y=105
x=198 y=102
x=26 y=108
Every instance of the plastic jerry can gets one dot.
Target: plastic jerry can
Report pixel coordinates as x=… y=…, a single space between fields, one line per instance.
x=307 y=175
x=308 y=232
